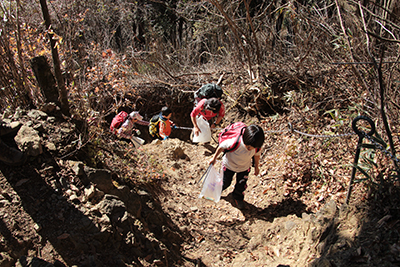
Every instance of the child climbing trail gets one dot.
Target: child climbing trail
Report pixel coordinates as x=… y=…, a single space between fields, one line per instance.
x=240 y=144
x=208 y=109
x=160 y=125
x=123 y=124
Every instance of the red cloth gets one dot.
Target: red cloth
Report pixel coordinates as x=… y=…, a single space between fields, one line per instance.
x=207 y=114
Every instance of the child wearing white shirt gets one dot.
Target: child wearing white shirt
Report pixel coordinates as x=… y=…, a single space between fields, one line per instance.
x=239 y=161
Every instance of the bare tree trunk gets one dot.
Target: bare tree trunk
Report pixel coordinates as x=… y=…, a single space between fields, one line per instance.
x=258 y=54
x=25 y=98
x=255 y=39
x=21 y=61
x=45 y=79
x=236 y=31
x=382 y=105
x=10 y=66
x=56 y=61
x=381 y=88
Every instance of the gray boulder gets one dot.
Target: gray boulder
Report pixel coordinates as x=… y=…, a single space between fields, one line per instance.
x=29 y=141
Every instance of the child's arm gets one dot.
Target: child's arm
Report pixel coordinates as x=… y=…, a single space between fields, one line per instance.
x=196 y=129
x=256 y=164
x=214 y=158
x=221 y=114
x=123 y=132
x=217 y=121
x=161 y=131
x=193 y=115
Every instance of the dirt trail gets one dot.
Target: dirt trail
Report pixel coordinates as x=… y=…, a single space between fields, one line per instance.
x=69 y=214
x=284 y=224
x=222 y=234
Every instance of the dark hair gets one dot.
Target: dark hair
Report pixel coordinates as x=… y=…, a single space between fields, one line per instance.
x=213 y=104
x=165 y=111
x=253 y=136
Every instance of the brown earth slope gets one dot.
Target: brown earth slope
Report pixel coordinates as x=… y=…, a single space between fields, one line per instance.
x=65 y=213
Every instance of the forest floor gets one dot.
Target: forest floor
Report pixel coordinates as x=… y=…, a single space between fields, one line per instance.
x=292 y=217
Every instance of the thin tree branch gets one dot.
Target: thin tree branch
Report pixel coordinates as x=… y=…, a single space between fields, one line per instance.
x=382 y=38
x=235 y=31
x=63 y=96
x=381 y=88
x=355 y=70
x=394 y=25
x=246 y=3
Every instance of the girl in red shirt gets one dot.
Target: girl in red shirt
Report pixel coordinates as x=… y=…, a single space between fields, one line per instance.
x=208 y=108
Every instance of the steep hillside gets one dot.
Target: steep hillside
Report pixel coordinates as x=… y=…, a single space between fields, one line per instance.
x=107 y=204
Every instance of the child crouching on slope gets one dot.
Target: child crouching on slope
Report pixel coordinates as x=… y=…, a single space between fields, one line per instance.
x=239 y=161
x=165 y=124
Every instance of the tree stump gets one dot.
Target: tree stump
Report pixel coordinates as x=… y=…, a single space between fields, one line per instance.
x=45 y=79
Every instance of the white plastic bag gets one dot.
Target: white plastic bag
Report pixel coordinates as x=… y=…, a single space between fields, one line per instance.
x=212 y=185
x=205 y=134
x=137 y=141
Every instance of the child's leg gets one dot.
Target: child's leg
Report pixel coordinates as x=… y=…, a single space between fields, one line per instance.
x=227 y=179
x=241 y=185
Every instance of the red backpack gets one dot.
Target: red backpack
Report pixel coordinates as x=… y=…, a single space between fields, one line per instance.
x=234 y=130
x=118 y=120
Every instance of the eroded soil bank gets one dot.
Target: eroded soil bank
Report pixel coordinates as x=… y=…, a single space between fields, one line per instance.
x=103 y=203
